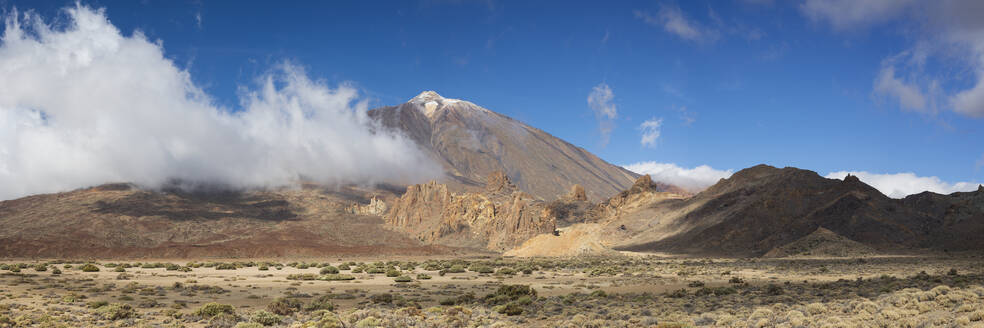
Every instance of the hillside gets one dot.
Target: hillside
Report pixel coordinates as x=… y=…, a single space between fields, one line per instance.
x=762 y=207
x=123 y=221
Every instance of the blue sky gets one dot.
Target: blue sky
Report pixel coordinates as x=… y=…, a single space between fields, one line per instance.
x=880 y=87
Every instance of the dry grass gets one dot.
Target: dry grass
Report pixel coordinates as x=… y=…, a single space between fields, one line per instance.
x=491 y=292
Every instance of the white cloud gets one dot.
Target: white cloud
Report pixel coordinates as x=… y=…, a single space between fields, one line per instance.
x=693 y=180
x=949 y=31
x=845 y=14
x=600 y=101
x=84 y=105
x=672 y=20
x=970 y=102
x=651 y=130
x=907 y=95
x=899 y=185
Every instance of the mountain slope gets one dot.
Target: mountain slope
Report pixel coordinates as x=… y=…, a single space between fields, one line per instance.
x=472 y=142
x=123 y=221
x=762 y=207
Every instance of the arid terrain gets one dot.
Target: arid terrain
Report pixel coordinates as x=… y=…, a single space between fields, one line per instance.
x=504 y=239
x=611 y=291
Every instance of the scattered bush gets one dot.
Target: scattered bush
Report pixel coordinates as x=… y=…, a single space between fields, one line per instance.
x=773 y=290
x=403 y=279
x=213 y=309
x=302 y=276
x=115 y=311
x=225 y=266
x=320 y=303
x=335 y=277
x=329 y=270
x=481 y=268
x=266 y=318
x=284 y=306
x=89 y=267
x=385 y=298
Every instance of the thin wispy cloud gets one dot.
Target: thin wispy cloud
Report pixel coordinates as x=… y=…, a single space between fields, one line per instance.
x=601 y=102
x=651 y=131
x=672 y=20
x=687 y=116
x=907 y=95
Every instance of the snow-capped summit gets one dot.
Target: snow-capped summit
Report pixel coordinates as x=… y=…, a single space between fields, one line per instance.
x=427 y=96
x=431 y=101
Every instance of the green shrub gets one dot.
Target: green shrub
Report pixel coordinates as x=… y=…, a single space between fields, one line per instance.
x=284 y=306
x=302 y=276
x=320 y=303
x=213 y=309
x=40 y=268
x=55 y=271
x=89 y=267
x=329 y=270
x=223 y=320
x=96 y=304
x=393 y=273
x=403 y=279
x=506 y=271
x=508 y=293
x=423 y=276
x=263 y=268
x=480 y=268
x=266 y=318
x=457 y=268
x=115 y=311
x=374 y=270
x=335 y=277
x=225 y=266
x=344 y=266
x=119 y=269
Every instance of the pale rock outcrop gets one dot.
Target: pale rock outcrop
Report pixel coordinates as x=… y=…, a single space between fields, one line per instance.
x=498 y=219
x=375 y=207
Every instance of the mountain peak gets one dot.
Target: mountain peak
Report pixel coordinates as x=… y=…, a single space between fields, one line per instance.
x=427 y=96
x=429 y=102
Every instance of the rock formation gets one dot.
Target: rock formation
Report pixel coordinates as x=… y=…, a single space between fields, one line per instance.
x=497 y=219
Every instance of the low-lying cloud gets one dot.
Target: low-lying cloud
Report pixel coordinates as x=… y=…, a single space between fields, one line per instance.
x=83 y=104
x=899 y=185
x=692 y=180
